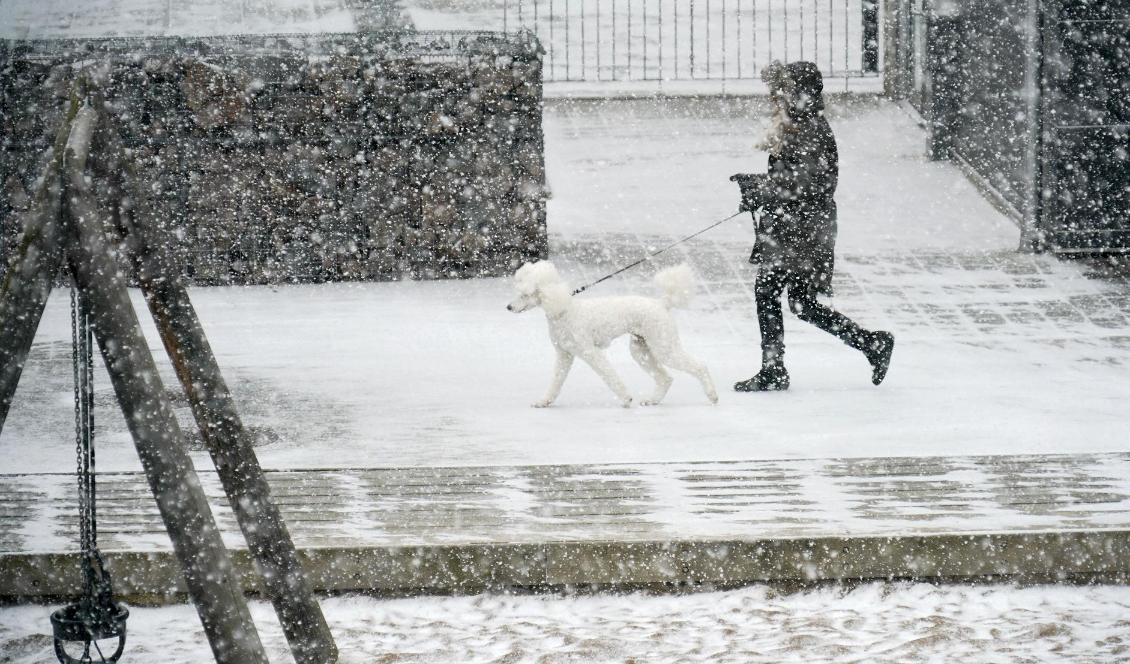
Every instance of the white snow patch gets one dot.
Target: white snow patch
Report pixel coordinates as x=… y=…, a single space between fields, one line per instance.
x=877 y=622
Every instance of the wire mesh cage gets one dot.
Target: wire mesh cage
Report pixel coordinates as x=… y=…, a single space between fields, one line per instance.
x=272 y=158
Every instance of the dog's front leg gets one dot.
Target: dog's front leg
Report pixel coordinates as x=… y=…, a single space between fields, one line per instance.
x=560 y=371
x=603 y=368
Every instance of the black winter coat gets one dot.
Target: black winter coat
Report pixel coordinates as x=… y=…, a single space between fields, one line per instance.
x=797 y=225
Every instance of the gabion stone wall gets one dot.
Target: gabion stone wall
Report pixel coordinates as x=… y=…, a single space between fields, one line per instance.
x=307 y=158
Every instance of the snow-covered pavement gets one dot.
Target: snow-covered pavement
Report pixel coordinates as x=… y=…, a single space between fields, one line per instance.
x=998 y=352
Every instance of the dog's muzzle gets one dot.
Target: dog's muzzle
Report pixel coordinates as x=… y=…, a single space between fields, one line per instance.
x=522 y=303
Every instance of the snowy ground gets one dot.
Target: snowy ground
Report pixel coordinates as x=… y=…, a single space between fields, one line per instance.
x=997 y=352
x=873 y=623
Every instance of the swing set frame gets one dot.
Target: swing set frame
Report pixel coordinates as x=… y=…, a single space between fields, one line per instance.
x=65 y=226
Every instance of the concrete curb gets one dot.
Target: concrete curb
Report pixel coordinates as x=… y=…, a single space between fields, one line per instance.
x=1066 y=556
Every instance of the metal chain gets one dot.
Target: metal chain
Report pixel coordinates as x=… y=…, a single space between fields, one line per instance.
x=95 y=615
x=88 y=350
x=79 y=456
x=82 y=358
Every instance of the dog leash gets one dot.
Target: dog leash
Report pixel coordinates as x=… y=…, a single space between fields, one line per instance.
x=656 y=253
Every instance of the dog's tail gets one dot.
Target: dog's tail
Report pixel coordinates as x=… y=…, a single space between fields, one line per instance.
x=677 y=284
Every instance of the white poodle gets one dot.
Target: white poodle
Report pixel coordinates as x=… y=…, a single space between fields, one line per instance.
x=585 y=327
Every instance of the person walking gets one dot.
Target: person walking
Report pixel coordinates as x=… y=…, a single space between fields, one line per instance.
x=796 y=232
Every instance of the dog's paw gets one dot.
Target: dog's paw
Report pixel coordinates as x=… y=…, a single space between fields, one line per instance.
x=544 y=403
x=713 y=397
x=650 y=402
x=626 y=403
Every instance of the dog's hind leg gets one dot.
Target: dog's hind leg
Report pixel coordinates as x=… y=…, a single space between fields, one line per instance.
x=603 y=368
x=560 y=371
x=677 y=358
x=642 y=355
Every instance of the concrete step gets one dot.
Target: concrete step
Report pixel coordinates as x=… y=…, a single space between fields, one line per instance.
x=463 y=529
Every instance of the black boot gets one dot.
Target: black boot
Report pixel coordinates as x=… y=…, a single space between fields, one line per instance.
x=878 y=351
x=769 y=379
x=772 y=376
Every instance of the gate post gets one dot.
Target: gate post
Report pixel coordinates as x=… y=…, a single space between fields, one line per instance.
x=896 y=47
x=870 y=36
x=1031 y=238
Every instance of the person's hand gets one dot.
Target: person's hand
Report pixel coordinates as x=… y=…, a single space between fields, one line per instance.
x=745 y=182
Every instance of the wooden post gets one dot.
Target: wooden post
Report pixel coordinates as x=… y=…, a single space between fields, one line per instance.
x=212 y=581
x=227 y=440
x=33 y=267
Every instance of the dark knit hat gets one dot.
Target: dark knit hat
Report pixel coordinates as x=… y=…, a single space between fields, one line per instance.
x=805 y=77
x=803 y=88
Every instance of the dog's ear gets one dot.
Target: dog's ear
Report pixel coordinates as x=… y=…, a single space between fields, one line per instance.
x=525 y=279
x=544 y=273
x=554 y=298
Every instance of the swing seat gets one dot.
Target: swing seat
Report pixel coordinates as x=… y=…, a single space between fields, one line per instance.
x=82 y=623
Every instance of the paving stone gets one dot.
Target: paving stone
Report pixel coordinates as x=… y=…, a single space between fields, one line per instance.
x=989 y=295
x=718 y=522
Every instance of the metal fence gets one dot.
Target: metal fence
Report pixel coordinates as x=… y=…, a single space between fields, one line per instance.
x=1030 y=98
x=686 y=40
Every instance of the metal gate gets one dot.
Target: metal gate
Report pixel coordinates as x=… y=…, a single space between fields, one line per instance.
x=689 y=40
x=1085 y=170
x=1033 y=98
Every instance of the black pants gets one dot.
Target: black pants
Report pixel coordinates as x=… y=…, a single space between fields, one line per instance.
x=771 y=282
